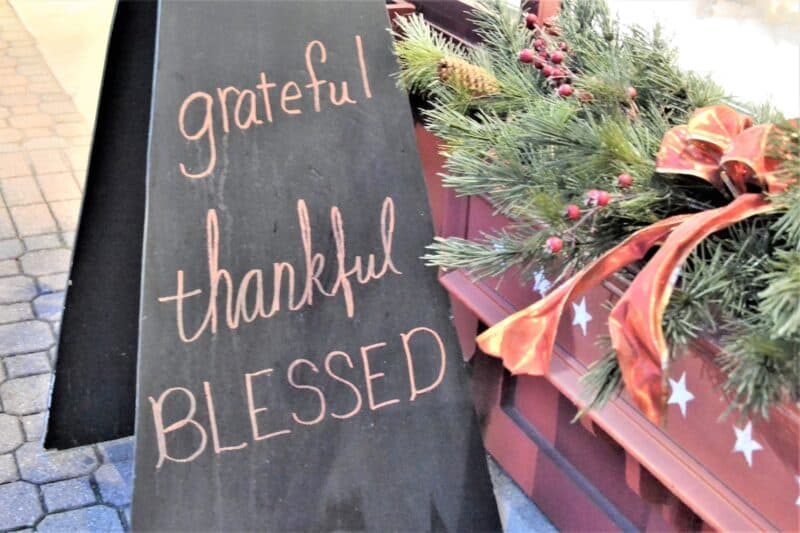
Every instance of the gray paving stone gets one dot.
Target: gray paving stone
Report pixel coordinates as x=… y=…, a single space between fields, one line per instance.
x=46 y=261
x=20 y=191
x=53 y=282
x=24 y=337
x=95 y=518
x=17 y=289
x=33 y=219
x=10 y=433
x=9 y=267
x=7 y=229
x=69 y=494
x=15 y=312
x=115 y=482
x=42 y=242
x=116 y=451
x=49 y=306
x=33 y=425
x=8 y=469
x=21 y=506
x=69 y=238
x=25 y=396
x=27 y=364
x=38 y=466
x=518 y=514
x=11 y=248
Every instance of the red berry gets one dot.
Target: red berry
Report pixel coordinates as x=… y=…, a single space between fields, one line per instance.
x=557 y=57
x=544 y=55
x=531 y=21
x=539 y=44
x=547 y=70
x=632 y=93
x=624 y=180
x=563 y=46
x=573 y=212
x=526 y=55
x=597 y=198
x=557 y=73
x=538 y=63
x=554 y=244
x=565 y=90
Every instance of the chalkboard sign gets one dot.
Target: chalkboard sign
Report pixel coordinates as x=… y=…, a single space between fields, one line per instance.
x=298 y=370
x=95 y=387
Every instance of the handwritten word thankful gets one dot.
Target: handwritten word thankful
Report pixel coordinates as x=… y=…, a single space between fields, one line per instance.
x=245 y=300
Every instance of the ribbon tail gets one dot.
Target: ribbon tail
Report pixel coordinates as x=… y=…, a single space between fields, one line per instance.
x=524 y=340
x=635 y=321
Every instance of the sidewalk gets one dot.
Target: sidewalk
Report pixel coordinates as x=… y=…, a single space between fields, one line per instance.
x=44 y=143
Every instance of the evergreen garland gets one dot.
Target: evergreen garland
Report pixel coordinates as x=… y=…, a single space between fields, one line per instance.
x=533 y=145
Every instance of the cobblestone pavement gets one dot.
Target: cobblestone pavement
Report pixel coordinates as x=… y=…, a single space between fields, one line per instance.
x=44 y=144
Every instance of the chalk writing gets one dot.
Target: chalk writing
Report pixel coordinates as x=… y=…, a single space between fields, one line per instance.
x=245 y=301
x=279 y=424
x=246 y=109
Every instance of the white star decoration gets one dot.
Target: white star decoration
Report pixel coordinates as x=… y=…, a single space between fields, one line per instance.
x=581 y=316
x=680 y=394
x=540 y=283
x=745 y=443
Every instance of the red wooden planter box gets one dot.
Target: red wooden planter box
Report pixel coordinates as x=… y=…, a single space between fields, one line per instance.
x=614 y=469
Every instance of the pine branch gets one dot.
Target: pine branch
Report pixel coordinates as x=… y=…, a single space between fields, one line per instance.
x=419 y=49
x=780 y=299
x=761 y=371
x=602 y=383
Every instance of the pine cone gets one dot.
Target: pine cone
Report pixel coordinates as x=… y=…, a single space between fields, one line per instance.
x=478 y=81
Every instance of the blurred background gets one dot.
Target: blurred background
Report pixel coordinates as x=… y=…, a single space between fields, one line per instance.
x=72 y=36
x=750 y=46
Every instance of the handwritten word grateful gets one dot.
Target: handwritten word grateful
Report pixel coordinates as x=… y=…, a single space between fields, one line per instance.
x=247 y=112
x=245 y=301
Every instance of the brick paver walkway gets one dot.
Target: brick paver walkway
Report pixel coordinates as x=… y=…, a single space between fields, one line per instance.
x=44 y=144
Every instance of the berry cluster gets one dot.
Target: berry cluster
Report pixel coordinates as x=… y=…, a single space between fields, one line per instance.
x=595 y=200
x=547 y=55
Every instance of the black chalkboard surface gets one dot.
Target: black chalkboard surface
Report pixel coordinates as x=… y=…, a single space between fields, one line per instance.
x=298 y=370
x=95 y=387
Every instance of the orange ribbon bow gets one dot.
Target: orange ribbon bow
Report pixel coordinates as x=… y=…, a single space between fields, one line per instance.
x=718 y=145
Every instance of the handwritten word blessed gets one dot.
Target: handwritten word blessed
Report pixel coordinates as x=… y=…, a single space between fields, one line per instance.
x=247 y=112
x=279 y=424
